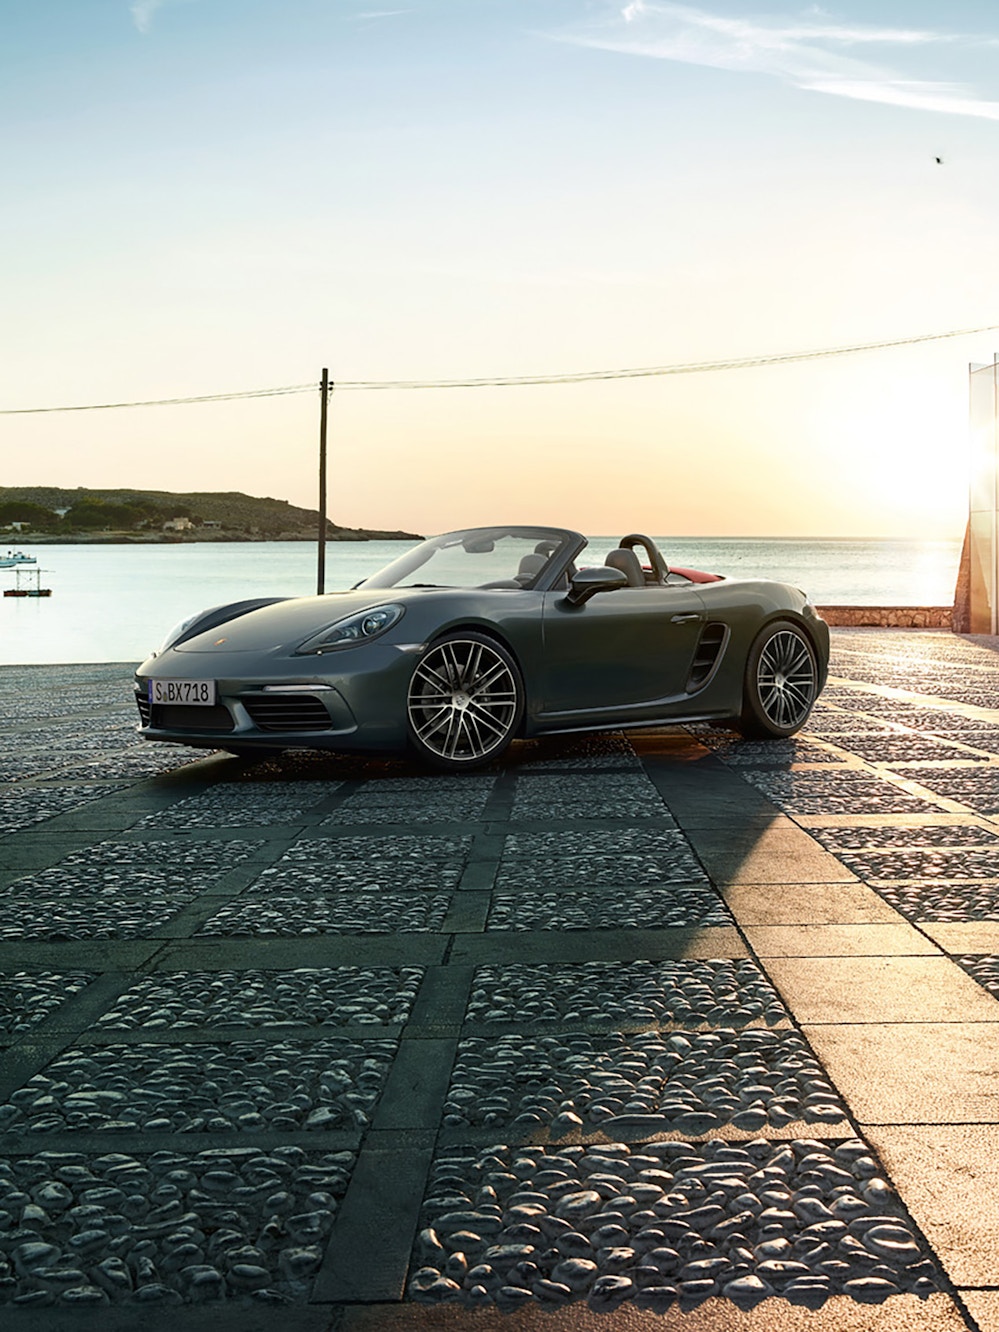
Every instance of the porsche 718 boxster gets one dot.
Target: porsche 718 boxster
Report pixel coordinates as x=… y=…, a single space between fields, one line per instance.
x=475 y=638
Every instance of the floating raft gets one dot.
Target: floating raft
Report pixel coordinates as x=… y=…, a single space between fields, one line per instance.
x=21 y=591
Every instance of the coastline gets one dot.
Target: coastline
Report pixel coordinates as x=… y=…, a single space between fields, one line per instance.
x=191 y=539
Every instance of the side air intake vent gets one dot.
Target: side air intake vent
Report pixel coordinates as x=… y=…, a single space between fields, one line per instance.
x=707 y=656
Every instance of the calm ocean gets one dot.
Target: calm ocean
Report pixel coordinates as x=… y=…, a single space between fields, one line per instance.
x=116 y=603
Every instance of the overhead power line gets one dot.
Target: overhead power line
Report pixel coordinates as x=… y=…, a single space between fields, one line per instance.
x=516 y=381
x=161 y=402
x=652 y=371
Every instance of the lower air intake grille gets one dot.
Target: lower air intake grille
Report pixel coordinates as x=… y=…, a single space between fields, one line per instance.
x=171 y=718
x=287 y=712
x=711 y=643
x=142 y=701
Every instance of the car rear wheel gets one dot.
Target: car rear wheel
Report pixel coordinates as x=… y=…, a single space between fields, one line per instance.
x=782 y=678
x=466 y=699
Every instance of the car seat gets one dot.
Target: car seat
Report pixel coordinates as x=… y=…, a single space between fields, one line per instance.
x=627 y=562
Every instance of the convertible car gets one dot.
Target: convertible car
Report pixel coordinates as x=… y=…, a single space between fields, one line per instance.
x=475 y=638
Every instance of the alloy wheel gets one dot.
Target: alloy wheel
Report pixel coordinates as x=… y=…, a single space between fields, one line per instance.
x=464 y=701
x=786 y=679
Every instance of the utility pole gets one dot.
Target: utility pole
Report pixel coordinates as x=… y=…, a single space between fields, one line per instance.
x=324 y=393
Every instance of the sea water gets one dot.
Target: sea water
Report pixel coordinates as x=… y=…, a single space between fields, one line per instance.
x=116 y=603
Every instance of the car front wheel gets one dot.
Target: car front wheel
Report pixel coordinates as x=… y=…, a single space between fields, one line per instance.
x=465 y=702
x=782 y=678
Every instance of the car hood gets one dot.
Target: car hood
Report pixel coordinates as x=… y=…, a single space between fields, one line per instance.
x=286 y=624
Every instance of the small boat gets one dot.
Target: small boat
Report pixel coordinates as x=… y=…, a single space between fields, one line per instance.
x=15 y=557
x=19 y=590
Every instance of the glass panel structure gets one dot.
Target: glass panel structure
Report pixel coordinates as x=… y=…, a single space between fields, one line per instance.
x=984 y=498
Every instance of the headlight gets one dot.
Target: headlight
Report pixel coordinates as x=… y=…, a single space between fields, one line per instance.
x=355 y=629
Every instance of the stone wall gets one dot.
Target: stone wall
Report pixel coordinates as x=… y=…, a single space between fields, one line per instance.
x=889 y=617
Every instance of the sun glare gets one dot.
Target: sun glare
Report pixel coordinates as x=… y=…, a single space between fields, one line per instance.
x=902 y=447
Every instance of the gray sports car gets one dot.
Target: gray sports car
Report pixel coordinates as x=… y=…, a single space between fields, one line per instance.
x=474 y=638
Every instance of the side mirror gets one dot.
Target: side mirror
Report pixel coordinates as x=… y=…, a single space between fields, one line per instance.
x=587 y=582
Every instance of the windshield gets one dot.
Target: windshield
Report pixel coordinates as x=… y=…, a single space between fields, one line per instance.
x=501 y=557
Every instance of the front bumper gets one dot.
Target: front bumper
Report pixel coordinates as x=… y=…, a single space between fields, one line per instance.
x=361 y=708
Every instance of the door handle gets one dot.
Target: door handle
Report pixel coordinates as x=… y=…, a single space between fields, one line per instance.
x=685 y=619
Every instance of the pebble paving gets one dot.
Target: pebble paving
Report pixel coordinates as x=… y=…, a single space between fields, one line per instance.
x=313 y=996
x=943 y=902
x=133 y=763
x=240 y=805
x=938 y=721
x=715 y=992
x=693 y=1083
x=834 y=724
x=61 y=916
x=984 y=740
x=628 y=909
x=321 y=869
x=663 y=1224
x=734 y=749
x=166 y=1228
x=419 y=800
x=611 y=796
x=977 y=788
x=909 y=749
x=29 y=805
x=241 y=1086
x=597 y=752
x=114 y=889
x=839 y=791
x=984 y=968
x=281 y=913
x=931 y=835
x=621 y=1130
x=924 y=863
x=660 y=857
x=117 y=866
x=28 y=997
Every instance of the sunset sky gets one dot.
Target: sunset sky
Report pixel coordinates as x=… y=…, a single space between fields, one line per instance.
x=206 y=196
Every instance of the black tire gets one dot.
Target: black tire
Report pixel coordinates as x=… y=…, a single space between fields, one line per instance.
x=782 y=681
x=465 y=701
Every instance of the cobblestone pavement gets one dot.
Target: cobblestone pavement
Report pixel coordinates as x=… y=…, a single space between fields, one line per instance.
x=661 y=1030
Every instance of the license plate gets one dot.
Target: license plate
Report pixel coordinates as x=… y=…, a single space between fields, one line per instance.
x=189 y=693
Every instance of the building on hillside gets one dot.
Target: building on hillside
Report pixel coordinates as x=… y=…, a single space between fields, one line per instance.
x=178 y=525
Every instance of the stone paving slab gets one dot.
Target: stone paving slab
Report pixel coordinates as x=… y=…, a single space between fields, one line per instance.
x=779 y=854
x=913 y=1072
x=983 y=1305
x=808 y=904
x=927 y=1160
x=881 y=990
x=836 y=940
x=902 y=1314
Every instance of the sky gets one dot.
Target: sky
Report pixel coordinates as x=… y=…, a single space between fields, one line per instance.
x=209 y=196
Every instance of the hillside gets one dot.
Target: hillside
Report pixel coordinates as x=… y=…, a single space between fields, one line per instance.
x=138 y=515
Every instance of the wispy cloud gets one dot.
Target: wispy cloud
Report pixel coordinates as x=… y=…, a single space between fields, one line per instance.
x=380 y=13
x=143 y=10
x=142 y=13
x=808 y=51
